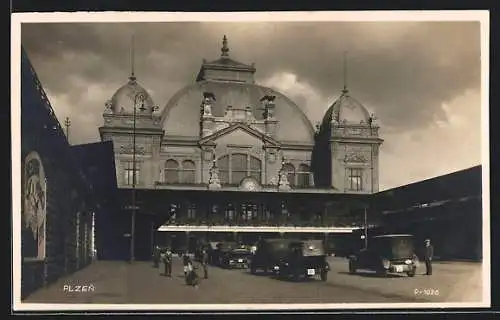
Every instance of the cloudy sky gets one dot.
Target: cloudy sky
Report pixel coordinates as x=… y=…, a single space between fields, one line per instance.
x=421 y=79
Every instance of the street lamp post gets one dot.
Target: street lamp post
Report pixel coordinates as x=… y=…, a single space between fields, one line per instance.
x=282 y=202
x=139 y=97
x=370 y=123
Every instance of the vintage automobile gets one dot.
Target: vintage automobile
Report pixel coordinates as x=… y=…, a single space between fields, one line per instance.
x=305 y=258
x=391 y=253
x=222 y=248
x=236 y=258
x=268 y=254
x=291 y=258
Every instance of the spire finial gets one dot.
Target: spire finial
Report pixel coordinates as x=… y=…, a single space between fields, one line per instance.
x=132 y=71
x=225 y=48
x=345 y=90
x=67 y=124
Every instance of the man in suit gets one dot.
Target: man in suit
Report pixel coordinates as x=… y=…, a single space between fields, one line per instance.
x=167 y=260
x=204 y=263
x=428 y=255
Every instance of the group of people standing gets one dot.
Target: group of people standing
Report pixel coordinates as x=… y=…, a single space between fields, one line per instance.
x=190 y=274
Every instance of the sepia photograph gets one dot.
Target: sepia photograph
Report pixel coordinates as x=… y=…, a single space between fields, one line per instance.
x=247 y=161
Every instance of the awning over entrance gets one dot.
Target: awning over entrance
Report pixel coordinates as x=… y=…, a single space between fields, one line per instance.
x=248 y=208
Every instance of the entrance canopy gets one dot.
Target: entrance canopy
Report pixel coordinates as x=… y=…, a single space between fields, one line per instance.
x=248 y=208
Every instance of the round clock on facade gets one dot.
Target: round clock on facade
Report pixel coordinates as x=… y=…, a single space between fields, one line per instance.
x=35 y=206
x=249 y=184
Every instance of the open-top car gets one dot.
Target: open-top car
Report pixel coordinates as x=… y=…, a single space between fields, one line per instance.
x=391 y=253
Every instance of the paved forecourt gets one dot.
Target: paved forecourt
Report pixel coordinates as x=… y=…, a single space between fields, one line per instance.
x=139 y=283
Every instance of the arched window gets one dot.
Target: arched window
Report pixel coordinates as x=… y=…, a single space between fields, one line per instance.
x=223 y=164
x=234 y=167
x=171 y=171
x=188 y=171
x=303 y=176
x=290 y=173
x=239 y=167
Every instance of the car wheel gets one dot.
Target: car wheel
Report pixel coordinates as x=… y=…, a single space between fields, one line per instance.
x=412 y=272
x=324 y=275
x=253 y=270
x=352 y=267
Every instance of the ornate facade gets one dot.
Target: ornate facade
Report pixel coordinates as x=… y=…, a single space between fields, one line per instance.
x=226 y=151
x=228 y=123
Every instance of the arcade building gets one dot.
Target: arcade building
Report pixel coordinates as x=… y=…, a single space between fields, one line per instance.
x=227 y=158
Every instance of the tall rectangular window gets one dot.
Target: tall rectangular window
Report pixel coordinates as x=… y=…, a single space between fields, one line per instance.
x=129 y=173
x=355 y=182
x=191 y=211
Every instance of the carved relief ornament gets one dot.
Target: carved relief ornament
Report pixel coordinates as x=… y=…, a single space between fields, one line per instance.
x=355 y=157
x=129 y=149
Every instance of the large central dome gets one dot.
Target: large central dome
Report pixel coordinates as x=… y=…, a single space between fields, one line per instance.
x=232 y=84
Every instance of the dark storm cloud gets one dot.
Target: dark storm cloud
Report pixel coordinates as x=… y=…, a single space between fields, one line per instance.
x=405 y=71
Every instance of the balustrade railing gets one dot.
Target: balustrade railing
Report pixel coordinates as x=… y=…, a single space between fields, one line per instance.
x=260 y=222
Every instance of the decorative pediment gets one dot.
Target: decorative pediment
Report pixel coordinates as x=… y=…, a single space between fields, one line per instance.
x=210 y=140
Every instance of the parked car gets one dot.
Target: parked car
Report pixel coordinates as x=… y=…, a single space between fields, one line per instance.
x=269 y=253
x=236 y=258
x=391 y=253
x=222 y=248
x=306 y=258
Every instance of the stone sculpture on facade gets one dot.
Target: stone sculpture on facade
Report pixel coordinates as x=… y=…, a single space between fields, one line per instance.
x=269 y=106
x=208 y=98
x=108 y=107
x=213 y=180
x=283 y=183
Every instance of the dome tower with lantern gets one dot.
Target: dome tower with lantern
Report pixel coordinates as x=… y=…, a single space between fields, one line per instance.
x=347 y=147
x=131 y=112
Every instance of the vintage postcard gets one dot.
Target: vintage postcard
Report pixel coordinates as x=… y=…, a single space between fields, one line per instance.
x=250 y=161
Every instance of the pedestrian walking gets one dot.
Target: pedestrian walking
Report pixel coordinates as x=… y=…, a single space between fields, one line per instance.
x=191 y=275
x=428 y=255
x=167 y=263
x=204 y=263
x=185 y=262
